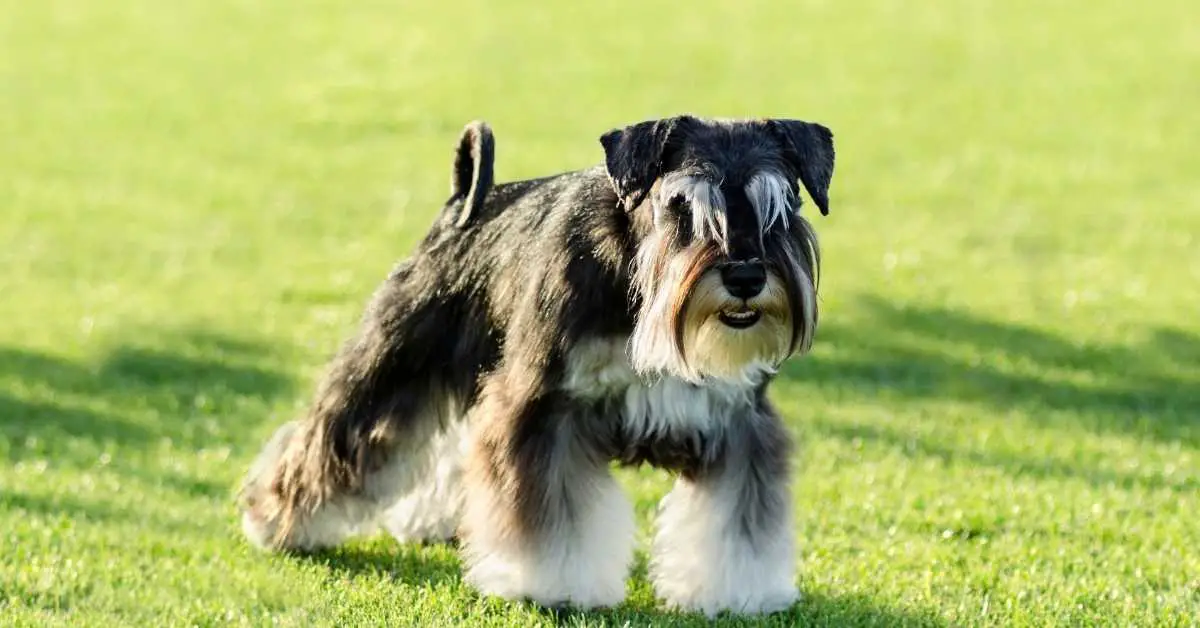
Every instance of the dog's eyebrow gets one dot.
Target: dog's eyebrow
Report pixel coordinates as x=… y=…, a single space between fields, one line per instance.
x=771 y=195
x=705 y=199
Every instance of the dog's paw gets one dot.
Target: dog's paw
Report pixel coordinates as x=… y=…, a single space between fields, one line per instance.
x=575 y=590
x=326 y=528
x=259 y=530
x=554 y=597
x=731 y=599
x=261 y=520
x=584 y=598
x=764 y=604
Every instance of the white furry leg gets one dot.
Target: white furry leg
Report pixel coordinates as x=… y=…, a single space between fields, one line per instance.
x=341 y=515
x=432 y=510
x=724 y=540
x=580 y=560
x=703 y=559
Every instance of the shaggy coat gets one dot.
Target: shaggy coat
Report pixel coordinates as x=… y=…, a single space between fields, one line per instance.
x=632 y=312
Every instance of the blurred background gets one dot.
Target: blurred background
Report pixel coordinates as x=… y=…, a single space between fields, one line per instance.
x=1001 y=419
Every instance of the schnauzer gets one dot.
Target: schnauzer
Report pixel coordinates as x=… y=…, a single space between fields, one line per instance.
x=633 y=312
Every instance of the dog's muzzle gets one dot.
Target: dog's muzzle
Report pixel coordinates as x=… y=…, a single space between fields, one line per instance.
x=744 y=281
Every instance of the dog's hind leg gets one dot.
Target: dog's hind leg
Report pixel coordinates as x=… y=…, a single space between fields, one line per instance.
x=367 y=440
x=431 y=511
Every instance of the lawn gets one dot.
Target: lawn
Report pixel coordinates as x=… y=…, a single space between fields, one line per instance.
x=1000 y=422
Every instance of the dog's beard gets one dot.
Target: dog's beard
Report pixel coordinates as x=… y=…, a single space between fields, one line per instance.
x=712 y=348
x=680 y=329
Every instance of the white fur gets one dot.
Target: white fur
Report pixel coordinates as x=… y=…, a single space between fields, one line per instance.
x=258 y=530
x=331 y=524
x=583 y=564
x=599 y=368
x=771 y=195
x=701 y=561
x=430 y=512
x=651 y=344
x=652 y=405
x=415 y=493
x=673 y=405
x=704 y=198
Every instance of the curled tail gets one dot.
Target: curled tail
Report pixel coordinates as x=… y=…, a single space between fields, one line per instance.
x=472 y=177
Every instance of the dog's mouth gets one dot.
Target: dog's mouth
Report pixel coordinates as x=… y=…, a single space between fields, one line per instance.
x=741 y=318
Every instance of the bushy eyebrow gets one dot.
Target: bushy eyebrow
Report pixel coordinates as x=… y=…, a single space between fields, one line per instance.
x=704 y=198
x=769 y=192
x=772 y=197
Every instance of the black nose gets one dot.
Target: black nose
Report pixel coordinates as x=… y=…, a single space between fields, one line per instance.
x=744 y=280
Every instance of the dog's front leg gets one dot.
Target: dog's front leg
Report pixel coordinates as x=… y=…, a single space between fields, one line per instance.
x=544 y=518
x=724 y=538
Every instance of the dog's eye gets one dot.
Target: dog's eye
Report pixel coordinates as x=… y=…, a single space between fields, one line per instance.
x=681 y=213
x=678 y=206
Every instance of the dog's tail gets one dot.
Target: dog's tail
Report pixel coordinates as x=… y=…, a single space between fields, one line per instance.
x=472 y=176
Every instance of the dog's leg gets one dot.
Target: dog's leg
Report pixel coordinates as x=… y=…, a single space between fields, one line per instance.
x=724 y=538
x=297 y=498
x=366 y=440
x=431 y=511
x=543 y=517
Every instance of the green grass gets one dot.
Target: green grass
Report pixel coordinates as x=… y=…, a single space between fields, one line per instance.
x=1001 y=419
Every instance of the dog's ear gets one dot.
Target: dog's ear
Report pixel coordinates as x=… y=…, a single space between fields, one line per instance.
x=809 y=148
x=634 y=155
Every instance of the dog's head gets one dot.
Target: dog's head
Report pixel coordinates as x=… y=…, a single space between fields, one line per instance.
x=727 y=268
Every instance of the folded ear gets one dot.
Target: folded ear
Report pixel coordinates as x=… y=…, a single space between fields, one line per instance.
x=809 y=148
x=634 y=155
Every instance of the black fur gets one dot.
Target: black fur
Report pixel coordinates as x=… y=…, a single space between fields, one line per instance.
x=634 y=155
x=809 y=150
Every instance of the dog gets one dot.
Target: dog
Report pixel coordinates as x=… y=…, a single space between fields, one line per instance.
x=634 y=312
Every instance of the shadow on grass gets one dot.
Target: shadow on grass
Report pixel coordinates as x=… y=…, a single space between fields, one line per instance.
x=435 y=565
x=29 y=421
x=814 y=609
x=186 y=387
x=427 y=565
x=96 y=510
x=1145 y=390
